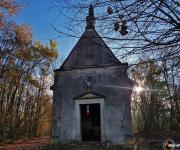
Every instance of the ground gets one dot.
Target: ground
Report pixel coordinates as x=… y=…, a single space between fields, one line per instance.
x=151 y=141
x=31 y=144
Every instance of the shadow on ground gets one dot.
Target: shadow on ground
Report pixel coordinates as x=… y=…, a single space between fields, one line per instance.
x=101 y=147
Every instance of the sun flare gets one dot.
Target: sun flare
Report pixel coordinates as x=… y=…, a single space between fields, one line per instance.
x=138 y=89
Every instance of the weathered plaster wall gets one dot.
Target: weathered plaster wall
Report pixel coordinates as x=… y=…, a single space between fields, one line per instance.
x=112 y=82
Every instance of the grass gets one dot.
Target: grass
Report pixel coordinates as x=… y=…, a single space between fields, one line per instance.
x=77 y=147
x=58 y=146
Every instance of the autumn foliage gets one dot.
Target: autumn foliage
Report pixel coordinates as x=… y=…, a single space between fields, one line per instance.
x=25 y=68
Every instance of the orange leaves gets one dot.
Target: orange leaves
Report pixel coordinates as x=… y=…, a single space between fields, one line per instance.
x=23 y=34
x=10 y=6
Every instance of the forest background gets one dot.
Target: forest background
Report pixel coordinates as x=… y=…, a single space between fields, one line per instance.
x=144 y=33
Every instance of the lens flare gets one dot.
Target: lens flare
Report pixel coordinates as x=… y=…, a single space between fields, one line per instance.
x=138 y=89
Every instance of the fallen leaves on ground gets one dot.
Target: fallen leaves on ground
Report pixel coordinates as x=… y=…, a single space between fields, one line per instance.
x=33 y=144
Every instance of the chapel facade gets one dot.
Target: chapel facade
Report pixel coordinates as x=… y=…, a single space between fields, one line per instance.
x=92 y=93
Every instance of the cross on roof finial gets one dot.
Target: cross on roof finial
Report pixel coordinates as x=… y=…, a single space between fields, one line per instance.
x=90 y=20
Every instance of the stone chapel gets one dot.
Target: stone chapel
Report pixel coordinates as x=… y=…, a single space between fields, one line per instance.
x=92 y=93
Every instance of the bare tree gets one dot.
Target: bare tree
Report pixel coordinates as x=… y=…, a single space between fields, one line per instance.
x=132 y=27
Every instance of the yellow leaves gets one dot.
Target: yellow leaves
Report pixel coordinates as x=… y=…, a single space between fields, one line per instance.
x=47 y=51
x=51 y=53
x=37 y=52
x=37 y=45
x=52 y=50
x=53 y=44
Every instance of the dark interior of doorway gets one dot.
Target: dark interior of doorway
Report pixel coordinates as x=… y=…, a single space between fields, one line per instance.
x=90 y=122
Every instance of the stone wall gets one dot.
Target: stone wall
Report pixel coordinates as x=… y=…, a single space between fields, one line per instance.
x=111 y=82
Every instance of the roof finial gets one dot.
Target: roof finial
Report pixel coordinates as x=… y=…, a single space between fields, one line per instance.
x=90 y=20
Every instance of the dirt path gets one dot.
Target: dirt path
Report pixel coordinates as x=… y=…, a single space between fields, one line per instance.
x=33 y=144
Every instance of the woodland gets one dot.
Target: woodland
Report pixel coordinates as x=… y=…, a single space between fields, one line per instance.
x=25 y=66
x=144 y=33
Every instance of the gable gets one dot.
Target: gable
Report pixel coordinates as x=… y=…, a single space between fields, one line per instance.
x=89 y=95
x=90 y=51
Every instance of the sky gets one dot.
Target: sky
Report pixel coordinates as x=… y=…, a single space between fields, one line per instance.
x=40 y=15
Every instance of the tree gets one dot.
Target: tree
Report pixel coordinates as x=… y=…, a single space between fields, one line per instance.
x=24 y=67
x=156 y=102
x=150 y=104
x=150 y=27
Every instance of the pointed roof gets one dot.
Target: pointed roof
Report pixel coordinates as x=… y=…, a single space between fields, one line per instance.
x=90 y=50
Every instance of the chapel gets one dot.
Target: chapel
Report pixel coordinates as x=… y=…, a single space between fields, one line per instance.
x=92 y=93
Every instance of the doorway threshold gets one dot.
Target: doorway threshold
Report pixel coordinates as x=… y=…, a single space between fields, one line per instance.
x=91 y=142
